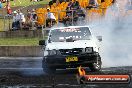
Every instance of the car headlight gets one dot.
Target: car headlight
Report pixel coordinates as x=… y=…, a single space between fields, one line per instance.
x=87 y=50
x=54 y=52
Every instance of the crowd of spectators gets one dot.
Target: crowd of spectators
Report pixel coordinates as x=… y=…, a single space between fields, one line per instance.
x=29 y=20
x=21 y=20
x=73 y=12
x=18 y=19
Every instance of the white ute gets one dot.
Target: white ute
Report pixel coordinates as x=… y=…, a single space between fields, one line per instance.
x=71 y=47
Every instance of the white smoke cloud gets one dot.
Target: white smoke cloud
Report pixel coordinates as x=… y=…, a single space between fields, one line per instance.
x=116 y=30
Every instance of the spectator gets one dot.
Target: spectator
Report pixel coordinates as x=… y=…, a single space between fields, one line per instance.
x=102 y=1
x=92 y=4
x=0 y=4
x=28 y=15
x=28 y=18
x=3 y=1
x=69 y=4
x=68 y=12
x=68 y=19
x=57 y=2
x=113 y=1
x=75 y=5
x=8 y=8
x=51 y=2
x=33 y=15
x=15 y=24
x=21 y=18
x=34 y=18
x=50 y=18
x=61 y=1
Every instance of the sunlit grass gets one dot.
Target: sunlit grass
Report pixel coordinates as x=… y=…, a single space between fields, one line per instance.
x=26 y=3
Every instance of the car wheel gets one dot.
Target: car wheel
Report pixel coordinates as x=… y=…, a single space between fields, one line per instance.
x=97 y=65
x=48 y=69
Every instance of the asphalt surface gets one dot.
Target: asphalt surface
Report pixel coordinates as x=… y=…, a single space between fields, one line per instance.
x=27 y=73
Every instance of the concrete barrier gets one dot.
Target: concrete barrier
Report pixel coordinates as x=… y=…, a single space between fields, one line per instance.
x=21 y=51
x=21 y=33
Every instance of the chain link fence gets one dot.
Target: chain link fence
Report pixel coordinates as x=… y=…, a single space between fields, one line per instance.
x=6 y=20
x=91 y=15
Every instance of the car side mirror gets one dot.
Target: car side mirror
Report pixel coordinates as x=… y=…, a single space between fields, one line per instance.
x=42 y=42
x=99 y=38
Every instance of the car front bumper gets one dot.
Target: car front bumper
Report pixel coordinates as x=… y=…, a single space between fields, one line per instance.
x=59 y=61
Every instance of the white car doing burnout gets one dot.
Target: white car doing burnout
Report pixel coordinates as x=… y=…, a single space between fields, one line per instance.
x=71 y=47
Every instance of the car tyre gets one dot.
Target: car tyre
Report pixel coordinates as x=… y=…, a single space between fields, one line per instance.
x=97 y=65
x=48 y=69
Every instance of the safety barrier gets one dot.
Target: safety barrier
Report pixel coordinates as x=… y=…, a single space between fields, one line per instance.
x=21 y=51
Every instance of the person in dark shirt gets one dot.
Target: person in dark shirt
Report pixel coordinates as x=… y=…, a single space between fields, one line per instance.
x=34 y=18
x=69 y=4
x=92 y=4
x=51 y=2
x=33 y=15
x=113 y=1
x=67 y=20
x=75 y=5
x=102 y=1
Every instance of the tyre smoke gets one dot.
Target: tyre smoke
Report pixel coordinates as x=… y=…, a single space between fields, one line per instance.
x=116 y=31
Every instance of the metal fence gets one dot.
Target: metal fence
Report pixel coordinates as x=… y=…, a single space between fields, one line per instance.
x=6 y=20
x=91 y=16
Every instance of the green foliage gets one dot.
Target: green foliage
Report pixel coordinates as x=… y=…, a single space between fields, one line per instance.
x=26 y=3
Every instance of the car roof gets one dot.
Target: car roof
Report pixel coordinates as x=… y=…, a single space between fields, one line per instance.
x=68 y=27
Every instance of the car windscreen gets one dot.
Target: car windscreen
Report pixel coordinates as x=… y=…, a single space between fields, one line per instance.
x=60 y=35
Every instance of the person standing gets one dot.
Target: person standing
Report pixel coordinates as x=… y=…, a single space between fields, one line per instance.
x=50 y=18
x=34 y=19
x=8 y=8
x=15 y=23
x=21 y=18
x=75 y=5
x=0 y=4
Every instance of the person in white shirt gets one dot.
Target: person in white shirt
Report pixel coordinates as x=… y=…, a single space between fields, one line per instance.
x=15 y=23
x=50 y=18
x=21 y=16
